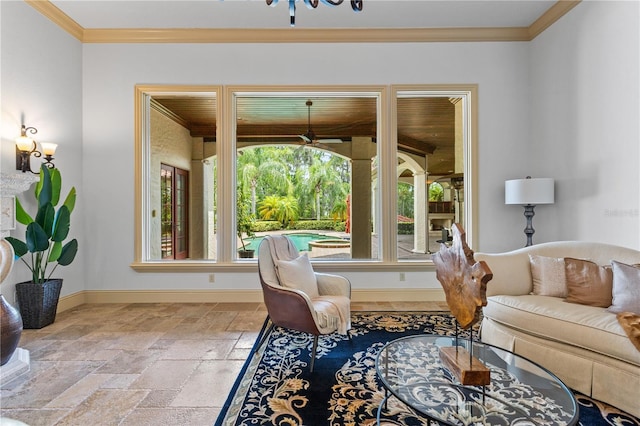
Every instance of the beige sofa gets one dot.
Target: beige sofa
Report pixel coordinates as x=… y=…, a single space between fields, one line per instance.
x=584 y=346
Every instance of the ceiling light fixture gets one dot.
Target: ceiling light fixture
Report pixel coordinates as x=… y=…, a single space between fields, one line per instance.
x=310 y=137
x=356 y=5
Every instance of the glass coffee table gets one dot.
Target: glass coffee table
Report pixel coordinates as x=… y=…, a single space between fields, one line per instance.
x=520 y=393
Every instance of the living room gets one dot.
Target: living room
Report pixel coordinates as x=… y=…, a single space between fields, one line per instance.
x=563 y=105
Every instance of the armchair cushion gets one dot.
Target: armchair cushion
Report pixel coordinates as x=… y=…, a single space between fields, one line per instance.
x=333 y=285
x=298 y=274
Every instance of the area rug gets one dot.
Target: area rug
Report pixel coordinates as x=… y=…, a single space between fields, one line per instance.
x=275 y=386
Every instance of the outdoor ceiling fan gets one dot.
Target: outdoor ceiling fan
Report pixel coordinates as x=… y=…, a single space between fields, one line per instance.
x=310 y=138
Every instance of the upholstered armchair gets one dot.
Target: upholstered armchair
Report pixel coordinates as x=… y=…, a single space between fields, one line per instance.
x=298 y=298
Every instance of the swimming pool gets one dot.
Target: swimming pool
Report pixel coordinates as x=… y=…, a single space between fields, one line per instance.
x=301 y=240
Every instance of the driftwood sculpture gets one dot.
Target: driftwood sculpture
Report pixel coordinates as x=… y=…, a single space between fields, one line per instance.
x=463 y=279
x=465 y=285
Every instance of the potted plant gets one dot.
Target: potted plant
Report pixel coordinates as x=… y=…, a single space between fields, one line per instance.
x=244 y=223
x=43 y=249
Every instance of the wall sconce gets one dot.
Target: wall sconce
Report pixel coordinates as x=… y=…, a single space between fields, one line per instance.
x=26 y=147
x=529 y=192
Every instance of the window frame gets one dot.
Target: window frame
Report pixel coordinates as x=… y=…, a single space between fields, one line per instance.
x=226 y=119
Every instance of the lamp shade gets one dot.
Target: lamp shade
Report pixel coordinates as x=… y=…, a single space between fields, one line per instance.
x=24 y=143
x=49 y=148
x=529 y=191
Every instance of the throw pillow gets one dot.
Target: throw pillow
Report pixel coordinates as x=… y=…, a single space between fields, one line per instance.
x=548 y=276
x=298 y=274
x=588 y=283
x=626 y=288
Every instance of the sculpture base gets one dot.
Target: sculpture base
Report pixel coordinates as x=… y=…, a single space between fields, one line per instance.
x=18 y=364
x=469 y=371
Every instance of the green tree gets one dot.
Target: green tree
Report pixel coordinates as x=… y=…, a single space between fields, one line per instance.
x=339 y=210
x=405 y=199
x=244 y=217
x=436 y=192
x=282 y=209
x=314 y=180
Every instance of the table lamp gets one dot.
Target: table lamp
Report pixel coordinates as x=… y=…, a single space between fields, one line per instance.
x=529 y=192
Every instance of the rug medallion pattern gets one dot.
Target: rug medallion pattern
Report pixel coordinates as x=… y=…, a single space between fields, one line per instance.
x=277 y=389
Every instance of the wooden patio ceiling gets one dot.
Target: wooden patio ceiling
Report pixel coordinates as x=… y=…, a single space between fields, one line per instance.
x=425 y=124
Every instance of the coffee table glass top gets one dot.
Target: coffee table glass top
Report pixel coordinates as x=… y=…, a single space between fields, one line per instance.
x=520 y=393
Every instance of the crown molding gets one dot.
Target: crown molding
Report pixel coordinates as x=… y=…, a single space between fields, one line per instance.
x=552 y=14
x=299 y=35
x=58 y=17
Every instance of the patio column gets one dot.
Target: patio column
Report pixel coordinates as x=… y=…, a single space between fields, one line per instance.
x=361 y=198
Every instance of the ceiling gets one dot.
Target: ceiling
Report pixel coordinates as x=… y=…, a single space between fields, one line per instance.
x=254 y=14
x=425 y=125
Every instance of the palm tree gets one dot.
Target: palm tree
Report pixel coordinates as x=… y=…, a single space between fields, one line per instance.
x=339 y=210
x=282 y=209
x=269 y=207
x=249 y=174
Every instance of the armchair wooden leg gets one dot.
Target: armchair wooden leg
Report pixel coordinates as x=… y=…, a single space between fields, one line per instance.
x=265 y=335
x=313 y=353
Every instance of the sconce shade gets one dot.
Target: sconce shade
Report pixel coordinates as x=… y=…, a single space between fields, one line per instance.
x=48 y=148
x=24 y=143
x=529 y=191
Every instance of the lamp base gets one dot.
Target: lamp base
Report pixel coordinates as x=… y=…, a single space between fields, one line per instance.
x=529 y=231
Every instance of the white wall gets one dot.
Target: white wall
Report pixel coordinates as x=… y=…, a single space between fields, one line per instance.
x=525 y=89
x=111 y=71
x=41 y=78
x=585 y=123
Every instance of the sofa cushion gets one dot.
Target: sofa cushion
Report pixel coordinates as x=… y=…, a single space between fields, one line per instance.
x=587 y=327
x=626 y=288
x=588 y=283
x=548 y=276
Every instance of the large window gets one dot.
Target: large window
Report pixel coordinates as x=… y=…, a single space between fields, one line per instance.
x=307 y=162
x=432 y=131
x=356 y=176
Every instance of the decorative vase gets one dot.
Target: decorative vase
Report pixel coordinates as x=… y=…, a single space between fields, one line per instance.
x=38 y=303
x=10 y=330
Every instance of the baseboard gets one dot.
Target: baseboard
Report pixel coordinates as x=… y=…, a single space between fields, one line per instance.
x=71 y=301
x=398 y=295
x=233 y=296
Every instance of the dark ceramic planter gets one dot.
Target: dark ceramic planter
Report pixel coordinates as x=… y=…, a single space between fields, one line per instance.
x=10 y=330
x=38 y=303
x=246 y=254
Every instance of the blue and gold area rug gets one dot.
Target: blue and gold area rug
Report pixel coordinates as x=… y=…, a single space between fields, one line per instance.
x=275 y=386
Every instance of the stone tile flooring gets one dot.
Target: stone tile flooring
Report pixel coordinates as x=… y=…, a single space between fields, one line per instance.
x=141 y=364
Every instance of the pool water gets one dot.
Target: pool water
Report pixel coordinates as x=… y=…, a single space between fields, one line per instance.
x=301 y=240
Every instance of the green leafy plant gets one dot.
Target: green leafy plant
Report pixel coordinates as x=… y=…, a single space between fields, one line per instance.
x=244 y=217
x=46 y=233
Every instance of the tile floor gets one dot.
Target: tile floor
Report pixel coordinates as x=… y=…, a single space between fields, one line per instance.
x=141 y=364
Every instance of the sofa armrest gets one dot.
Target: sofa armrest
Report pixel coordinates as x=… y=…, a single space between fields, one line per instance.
x=333 y=285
